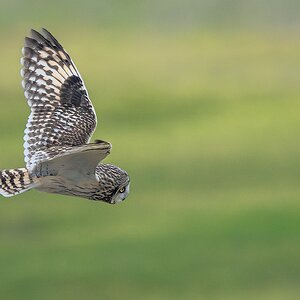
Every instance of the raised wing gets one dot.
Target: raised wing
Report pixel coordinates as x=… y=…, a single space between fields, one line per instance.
x=62 y=114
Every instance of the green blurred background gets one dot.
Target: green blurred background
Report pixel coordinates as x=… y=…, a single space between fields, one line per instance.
x=201 y=101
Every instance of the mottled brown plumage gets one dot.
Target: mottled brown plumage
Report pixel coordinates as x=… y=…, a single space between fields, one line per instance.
x=58 y=156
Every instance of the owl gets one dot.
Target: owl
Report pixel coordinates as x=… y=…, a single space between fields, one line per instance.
x=58 y=154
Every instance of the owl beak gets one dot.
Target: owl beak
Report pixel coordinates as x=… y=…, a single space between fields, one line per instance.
x=117 y=199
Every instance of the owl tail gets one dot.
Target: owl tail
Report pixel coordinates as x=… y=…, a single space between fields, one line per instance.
x=15 y=181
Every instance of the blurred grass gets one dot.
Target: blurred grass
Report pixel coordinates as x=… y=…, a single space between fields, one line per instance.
x=206 y=122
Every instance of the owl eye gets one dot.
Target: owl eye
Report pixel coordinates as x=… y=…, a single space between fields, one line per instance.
x=122 y=190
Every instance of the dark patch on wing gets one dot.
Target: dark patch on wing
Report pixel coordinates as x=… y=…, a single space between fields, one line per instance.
x=73 y=93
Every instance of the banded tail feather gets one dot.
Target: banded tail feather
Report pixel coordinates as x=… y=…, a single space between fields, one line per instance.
x=15 y=181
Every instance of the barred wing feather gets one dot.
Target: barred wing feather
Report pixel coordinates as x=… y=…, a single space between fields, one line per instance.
x=61 y=111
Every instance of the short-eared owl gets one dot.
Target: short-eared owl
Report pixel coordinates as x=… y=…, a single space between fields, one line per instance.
x=58 y=156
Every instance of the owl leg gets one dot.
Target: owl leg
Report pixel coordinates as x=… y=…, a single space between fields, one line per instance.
x=15 y=181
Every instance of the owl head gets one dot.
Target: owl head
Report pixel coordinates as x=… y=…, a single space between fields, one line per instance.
x=113 y=184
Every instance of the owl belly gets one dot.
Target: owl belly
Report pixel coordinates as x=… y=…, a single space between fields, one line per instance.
x=70 y=183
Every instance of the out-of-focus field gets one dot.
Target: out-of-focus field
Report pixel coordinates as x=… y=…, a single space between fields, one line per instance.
x=207 y=123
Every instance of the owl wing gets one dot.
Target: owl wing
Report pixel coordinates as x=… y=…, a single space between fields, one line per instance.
x=62 y=115
x=61 y=159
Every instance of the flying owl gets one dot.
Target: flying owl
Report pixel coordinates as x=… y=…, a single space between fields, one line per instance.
x=58 y=154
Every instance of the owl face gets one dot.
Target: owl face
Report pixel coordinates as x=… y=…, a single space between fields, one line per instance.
x=113 y=184
x=112 y=196
x=121 y=194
